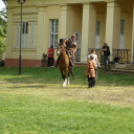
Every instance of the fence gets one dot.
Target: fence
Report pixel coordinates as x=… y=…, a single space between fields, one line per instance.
x=124 y=55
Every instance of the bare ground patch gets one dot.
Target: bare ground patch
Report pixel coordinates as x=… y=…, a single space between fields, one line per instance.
x=120 y=95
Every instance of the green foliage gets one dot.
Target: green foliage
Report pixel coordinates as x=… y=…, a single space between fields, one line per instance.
x=3 y=26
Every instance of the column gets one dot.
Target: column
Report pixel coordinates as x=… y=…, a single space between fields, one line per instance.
x=88 y=29
x=113 y=26
x=46 y=30
x=9 y=35
x=40 y=32
x=132 y=51
x=63 y=24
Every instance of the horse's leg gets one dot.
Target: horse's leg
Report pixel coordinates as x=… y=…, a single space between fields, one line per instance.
x=65 y=82
x=70 y=70
x=63 y=77
x=72 y=73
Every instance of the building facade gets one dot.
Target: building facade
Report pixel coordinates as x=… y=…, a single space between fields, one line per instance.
x=47 y=21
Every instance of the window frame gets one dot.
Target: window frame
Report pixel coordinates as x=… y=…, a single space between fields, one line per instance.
x=124 y=33
x=100 y=33
x=25 y=26
x=32 y=35
x=17 y=35
x=56 y=24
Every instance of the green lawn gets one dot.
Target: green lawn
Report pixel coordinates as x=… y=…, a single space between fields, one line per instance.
x=36 y=103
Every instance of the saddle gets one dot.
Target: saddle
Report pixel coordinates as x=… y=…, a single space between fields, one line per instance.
x=70 y=54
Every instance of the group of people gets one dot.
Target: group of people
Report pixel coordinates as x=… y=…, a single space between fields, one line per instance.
x=92 y=64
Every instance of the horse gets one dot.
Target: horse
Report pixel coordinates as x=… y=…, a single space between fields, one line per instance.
x=64 y=65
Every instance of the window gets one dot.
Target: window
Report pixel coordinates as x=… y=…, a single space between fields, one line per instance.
x=25 y=30
x=54 y=33
x=122 y=27
x=122 y=34
x=17 y=37
x=32 y=35
x=98 y=35
x=24 y=34
x=98 y=27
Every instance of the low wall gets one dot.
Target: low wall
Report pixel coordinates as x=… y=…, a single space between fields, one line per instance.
x=25 y=63
x=30 y=63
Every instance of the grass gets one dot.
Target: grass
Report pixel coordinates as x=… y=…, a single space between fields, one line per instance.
x=36 y=103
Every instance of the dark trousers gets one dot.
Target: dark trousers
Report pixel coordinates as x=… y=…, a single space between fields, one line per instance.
x=107 y=61
x=91 y=82
x=50 y=62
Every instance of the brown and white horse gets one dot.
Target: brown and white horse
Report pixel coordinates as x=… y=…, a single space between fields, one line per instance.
x=64 y=65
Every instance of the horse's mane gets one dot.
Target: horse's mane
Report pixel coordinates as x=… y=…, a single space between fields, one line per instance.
x=63 y=47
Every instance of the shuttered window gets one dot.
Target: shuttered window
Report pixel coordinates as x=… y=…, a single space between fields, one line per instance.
x=98 y=35
x=17 y=37
x=98 y=27
x=24 y=34
x=54 y=33
x=122 y=27
x=122 y=34
x=32 y=35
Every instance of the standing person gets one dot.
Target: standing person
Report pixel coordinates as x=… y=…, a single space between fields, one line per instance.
x=107 y=54
x=71 y=47
x=95 y=59
x=50 y=56
x=91 y=70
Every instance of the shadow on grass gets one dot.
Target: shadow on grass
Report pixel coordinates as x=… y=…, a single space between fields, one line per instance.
x=45 y=86
x=79 y=88
x=53 y=76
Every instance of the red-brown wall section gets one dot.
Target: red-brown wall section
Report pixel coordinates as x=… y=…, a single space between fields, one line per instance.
x=25 y=63
x=28 y=63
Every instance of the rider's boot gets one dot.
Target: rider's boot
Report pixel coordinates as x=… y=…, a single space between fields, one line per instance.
x=71 y=63
x=70 y=59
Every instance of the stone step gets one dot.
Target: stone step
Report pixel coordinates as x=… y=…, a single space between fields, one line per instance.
x=119 y=73
x=124 y=66
x=122 y=71
x=130 y=67
x=120 y=66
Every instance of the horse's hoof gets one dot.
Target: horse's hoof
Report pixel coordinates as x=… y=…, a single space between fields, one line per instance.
x=64 y=85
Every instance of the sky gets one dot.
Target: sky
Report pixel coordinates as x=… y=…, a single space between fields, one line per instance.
x=1 y=5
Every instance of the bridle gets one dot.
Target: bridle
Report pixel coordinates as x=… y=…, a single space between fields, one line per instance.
x=61 y=48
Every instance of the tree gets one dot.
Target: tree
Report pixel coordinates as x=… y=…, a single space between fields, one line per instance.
x=3 y=26
x=5 y=2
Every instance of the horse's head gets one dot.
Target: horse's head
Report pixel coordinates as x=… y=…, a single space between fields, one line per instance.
x=61 y=48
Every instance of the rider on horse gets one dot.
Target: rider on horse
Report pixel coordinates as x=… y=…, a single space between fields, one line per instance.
x=71 y=47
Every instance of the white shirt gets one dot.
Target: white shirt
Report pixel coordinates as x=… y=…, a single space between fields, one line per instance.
x=95 y=59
